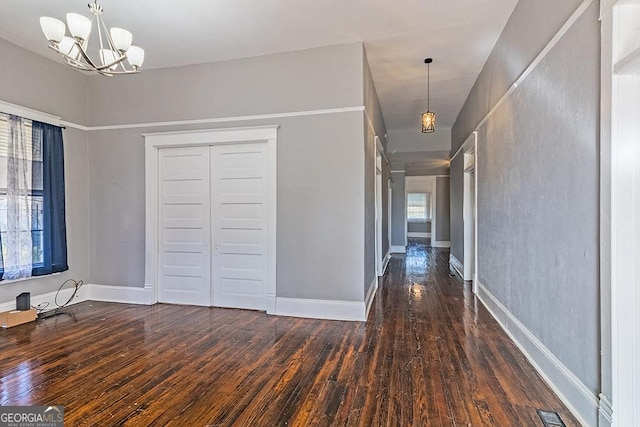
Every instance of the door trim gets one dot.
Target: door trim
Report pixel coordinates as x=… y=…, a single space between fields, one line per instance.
x=225 y=136
x=469 y=211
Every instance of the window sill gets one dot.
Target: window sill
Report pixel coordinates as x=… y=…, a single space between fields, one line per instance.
x=6 y=282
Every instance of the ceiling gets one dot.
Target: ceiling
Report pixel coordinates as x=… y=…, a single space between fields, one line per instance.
x=398 y=35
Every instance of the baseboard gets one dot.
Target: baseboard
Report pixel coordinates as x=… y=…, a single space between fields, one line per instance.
x=321 y=309
x=441 y=244
x=271 y=304
x=48 y=301
x=581 y=401
x=122 y=294
x=398 y=249
x=456 y=265
x=373 y=288
x=385 y=263
x=416 y=234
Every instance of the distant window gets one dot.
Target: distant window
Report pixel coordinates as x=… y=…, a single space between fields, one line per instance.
x=418 y=207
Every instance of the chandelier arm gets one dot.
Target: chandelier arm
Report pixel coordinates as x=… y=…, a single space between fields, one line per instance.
x=107 y=66
x=112 y=47
x=98 y=22
x=73 y=62
x=86 y=58
x=121 y=72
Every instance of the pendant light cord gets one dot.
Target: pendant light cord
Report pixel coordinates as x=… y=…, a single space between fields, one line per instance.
x=428 y=84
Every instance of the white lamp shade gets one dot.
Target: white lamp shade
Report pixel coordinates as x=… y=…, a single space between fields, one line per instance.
x=52 y=28
x=107 y=56
x=79 y=26
x=121 y=39
x=68 y=47
x=135 y=55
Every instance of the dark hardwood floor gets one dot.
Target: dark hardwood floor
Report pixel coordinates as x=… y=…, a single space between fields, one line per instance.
x=429 y=355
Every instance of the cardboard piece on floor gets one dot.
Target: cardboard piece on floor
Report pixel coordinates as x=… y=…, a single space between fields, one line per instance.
x=9 y=319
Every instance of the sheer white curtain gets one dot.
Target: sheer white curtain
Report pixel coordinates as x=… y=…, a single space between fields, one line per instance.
x=17 y=241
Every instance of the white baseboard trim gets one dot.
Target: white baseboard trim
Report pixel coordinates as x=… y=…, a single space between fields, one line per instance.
x=321 y=309
x=581 y=401
x=385 y=263
x=456 y=265
x=398 y=249
x=370 y=296
x=271 y=304
x=417 y=234
x=49 y=299
x=122 y=294
x=441 y=244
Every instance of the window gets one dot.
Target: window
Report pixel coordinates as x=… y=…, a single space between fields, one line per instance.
x=418 y=207
x=32 y=224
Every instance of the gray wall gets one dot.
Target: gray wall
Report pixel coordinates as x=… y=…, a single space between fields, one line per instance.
x=456 y=207
x=31 y=81
x=322 y=78
x=398 y=207
x=371 y=102
x=321 y=161
x=537 y=177
x=419 y=227
x=531 y=26
x=442 y=209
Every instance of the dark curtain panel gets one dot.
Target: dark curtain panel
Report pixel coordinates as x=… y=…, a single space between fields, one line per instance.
x=54 y=238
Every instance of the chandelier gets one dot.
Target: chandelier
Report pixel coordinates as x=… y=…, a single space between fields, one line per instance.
x=115 y=49
x=428 y=118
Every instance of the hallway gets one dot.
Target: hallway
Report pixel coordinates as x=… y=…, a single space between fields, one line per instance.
x=428 y=356
x=451 y=345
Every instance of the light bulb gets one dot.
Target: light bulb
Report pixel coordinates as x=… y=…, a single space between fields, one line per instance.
x=107 y=56
x=135 y=55
x=68 y=47
x=121 y=39
x=79 y=26
x=52 y=28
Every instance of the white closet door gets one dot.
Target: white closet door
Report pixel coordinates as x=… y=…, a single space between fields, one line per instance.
x=239 y=195
x=185 y=226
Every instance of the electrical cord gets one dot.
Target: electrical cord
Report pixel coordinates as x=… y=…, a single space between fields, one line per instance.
x=58 y=310
x=77 y=285
x=40 y=308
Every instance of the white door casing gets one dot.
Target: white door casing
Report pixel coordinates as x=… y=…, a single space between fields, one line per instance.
x=378 y=207
x=620 y=228
x=469 y=208
x=266 y=136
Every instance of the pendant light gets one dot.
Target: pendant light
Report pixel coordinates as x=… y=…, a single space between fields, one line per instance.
x=116 y=54
x=428 y=118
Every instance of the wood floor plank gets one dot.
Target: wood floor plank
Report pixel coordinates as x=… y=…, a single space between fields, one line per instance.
x=429 y=355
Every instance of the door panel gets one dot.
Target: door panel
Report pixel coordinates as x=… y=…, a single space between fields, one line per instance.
x=185 y=226
x=239 y=192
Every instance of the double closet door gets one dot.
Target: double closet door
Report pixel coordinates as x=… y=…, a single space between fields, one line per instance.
x=213 y=225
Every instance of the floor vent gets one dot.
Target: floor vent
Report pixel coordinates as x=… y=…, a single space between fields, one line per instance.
x=550 y=419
